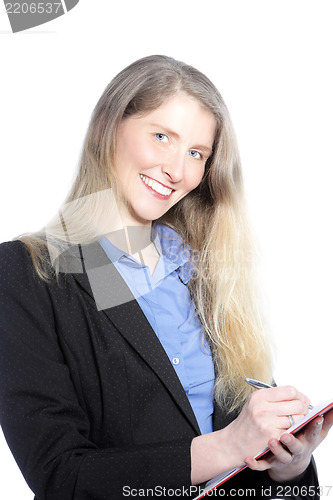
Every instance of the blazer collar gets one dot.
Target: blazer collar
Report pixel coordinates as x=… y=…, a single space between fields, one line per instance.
x=96 y=274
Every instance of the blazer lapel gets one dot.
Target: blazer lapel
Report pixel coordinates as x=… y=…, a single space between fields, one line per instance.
x=133 y=325
x=96 y=274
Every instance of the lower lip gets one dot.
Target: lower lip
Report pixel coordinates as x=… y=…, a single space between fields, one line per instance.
x=154 y=193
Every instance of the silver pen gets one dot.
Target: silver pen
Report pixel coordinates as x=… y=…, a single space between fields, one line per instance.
x=261 y=385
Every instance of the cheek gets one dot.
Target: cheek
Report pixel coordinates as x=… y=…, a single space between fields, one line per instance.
x=194 y=177
x=140 y=156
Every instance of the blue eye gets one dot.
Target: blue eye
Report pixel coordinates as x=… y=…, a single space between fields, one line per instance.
x=161 y=137
x=195 y=154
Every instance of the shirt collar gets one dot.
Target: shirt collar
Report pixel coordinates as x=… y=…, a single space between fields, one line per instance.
x=116 y=254
x=176 y=255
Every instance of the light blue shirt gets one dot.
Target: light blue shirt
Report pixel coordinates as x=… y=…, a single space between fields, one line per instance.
x=164 y=299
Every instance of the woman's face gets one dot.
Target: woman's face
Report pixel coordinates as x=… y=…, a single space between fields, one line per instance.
x=161 y=156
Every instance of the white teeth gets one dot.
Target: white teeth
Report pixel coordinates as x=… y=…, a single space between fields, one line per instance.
x=156 y=186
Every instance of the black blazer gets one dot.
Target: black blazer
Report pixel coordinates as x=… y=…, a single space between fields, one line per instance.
x=90 y=402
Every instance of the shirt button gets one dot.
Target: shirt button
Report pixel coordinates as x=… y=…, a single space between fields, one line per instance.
x=175 y=361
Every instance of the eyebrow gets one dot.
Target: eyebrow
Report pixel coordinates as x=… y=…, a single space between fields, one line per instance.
x=205 y=149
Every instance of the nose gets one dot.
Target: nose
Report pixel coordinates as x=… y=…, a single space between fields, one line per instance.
x=173 y=167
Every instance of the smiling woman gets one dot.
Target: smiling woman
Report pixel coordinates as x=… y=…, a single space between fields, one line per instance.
x=129 y=322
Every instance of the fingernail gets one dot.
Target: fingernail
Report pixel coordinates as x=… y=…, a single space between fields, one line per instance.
x=287 y=439
x=320 y=422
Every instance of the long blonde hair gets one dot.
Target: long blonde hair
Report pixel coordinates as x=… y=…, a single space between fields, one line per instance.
x=211 y=219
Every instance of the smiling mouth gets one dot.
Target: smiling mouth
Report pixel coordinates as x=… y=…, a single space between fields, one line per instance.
x=156 y=186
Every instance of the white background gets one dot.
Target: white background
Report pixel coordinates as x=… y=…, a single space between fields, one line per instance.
x=272 y=61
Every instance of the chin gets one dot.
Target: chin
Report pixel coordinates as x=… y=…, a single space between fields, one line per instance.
x=148 y=219
x=147 y=214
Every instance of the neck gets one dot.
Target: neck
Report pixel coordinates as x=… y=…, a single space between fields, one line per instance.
x=133 y=237
x=136 y=241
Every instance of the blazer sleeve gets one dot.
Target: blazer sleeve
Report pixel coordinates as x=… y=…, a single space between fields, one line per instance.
x=43 y=423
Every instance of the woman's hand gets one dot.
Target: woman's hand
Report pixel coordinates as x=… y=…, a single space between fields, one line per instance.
x=265 y=417
x=291 y=456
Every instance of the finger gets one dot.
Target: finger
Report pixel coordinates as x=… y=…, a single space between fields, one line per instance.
x=282 y=454
x=258 y=465
x=294 y=445
x=295 y=407
x=284 y=423
x=286 y=393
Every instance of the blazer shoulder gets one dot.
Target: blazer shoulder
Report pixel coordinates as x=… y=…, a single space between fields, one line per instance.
x=14 y=253
x=16 y=265
x=12 y=246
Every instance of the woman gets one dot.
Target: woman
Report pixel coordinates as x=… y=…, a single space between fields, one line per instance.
x=108 y=387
